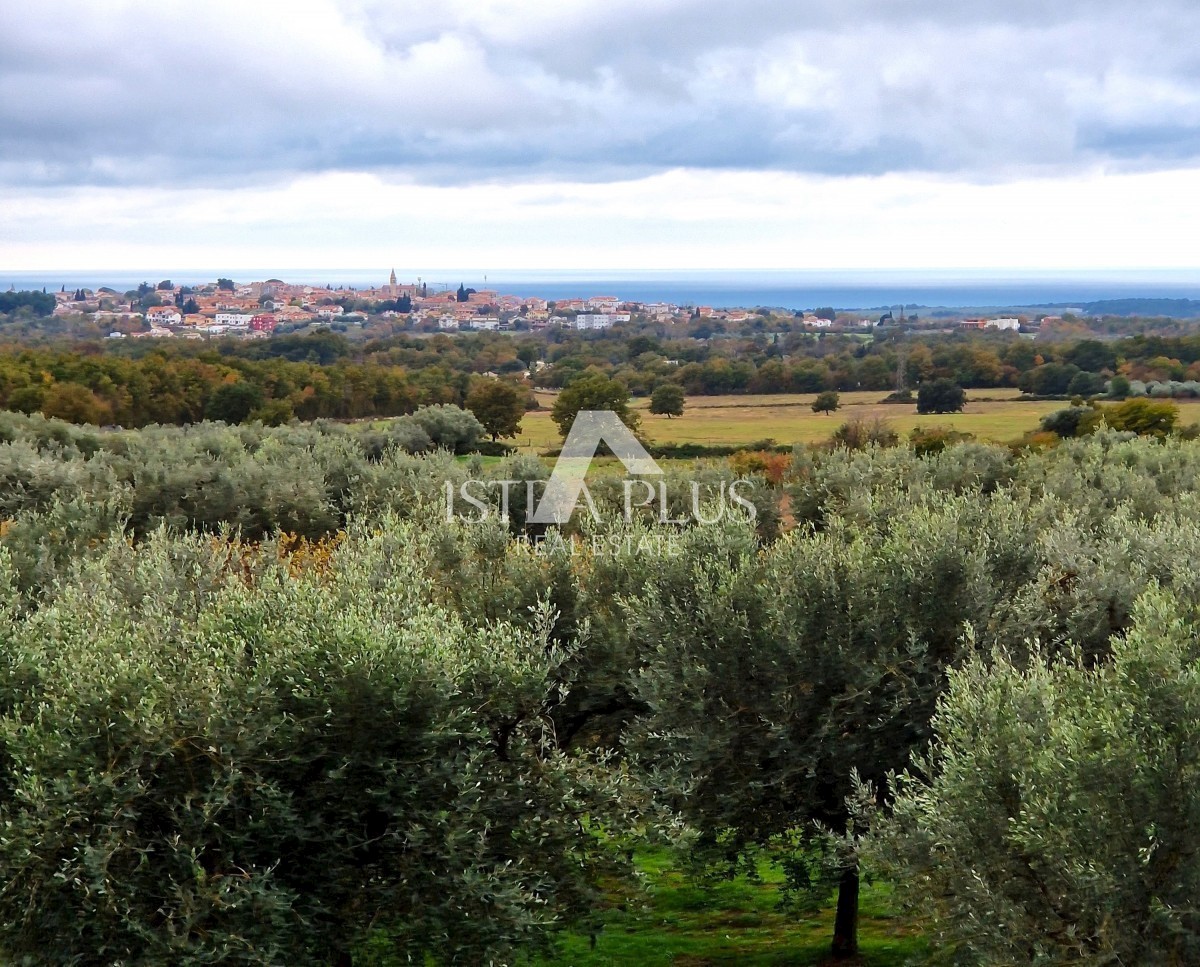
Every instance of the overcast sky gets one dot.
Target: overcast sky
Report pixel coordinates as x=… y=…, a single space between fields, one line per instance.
x=652 y=134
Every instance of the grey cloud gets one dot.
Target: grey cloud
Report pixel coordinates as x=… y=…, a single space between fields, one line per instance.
x=220 y=95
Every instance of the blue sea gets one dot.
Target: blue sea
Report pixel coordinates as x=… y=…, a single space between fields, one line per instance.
x=798 y=289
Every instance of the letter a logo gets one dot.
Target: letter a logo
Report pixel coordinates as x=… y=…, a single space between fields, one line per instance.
x=590 y=429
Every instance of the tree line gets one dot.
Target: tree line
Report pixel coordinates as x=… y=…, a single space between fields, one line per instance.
x=326 y=375
x=166 y=387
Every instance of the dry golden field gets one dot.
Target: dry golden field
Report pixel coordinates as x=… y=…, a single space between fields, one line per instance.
x=989 y=414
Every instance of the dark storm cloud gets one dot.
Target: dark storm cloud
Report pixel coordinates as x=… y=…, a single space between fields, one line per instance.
x=223 y=92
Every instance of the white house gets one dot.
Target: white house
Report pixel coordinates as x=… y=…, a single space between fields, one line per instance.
x=234 y=320
x=164 y=316
x=490 y=323
x=599 y=320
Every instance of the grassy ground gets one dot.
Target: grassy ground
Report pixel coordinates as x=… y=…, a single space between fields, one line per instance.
x=736 y=923
x=994 y=415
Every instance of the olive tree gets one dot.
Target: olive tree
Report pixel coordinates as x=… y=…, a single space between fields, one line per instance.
x=1057 y=816
x=772 y=676
x=235 y=761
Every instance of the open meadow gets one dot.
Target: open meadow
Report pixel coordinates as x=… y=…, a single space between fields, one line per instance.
x=996 y=415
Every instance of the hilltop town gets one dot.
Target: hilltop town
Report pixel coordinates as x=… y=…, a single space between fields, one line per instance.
x=256 y=310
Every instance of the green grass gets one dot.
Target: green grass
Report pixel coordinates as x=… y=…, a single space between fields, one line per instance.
x=486 y=461
x=680 y=922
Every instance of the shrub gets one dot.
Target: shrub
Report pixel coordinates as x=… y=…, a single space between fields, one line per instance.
x=1142 y=416
x=935 y=439
x=449 y=427
x=771 y=465
x=1073 y=421
x=859 y=433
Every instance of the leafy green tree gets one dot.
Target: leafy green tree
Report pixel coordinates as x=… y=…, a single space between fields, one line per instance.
x=449 y=426
x=191 y=307
x=274 y=413
x=826 y=402
x=1055 y=818
x=1119 y=387
x=1086 y=384
x=667 y=400
x=1050 y=379
x=940 y=396
x=226 y=285
x=165 y=284
x=1092 y=355
x=26 y=399
x=39 y=302
x=826 y=312
x=592 y=391
x=74 y=403
x=233 y=402
x=499 y=406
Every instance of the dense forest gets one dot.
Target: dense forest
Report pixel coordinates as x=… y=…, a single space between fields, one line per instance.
x=327 y=375
x=264 y=700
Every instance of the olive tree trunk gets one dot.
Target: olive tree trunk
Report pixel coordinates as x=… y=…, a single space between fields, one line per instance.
x=845 y=922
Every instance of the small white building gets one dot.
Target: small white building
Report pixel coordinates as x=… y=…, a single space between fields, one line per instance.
x=164 y=316
x=233 y=320
x=599 y=320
